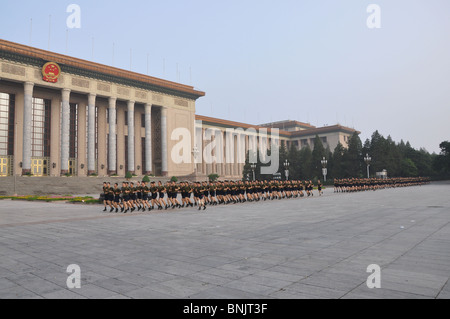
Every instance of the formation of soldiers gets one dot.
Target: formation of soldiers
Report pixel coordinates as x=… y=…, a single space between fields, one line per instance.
x=144 y=196
x=364 y=184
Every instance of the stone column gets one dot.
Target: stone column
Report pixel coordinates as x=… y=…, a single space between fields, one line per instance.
x=65 y=131
x=203 y=146
x=241 y=161
x=130 y=150
x=222 y=153
x=148 y=139
x=199 y=144
x=82 y=139
x=164 y=148
x=27 y=126
x=112 y=142
x=91 y=134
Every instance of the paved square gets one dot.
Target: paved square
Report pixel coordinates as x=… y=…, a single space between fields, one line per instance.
x=316 y=247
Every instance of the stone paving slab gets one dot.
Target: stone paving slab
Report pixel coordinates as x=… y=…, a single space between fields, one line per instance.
x=308 y=248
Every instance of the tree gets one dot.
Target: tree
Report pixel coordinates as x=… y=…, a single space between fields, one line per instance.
x=213 y=177
x=318 y=154
x=441 y=162
x=305 y=163
x=353 y=158
x=294 y=160
x=337 y=167
x=283 y=157
x=408 y=168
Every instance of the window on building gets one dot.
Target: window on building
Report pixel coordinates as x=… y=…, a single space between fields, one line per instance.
x=126 y=153
x=304 y=143
x=41 y=119
x=144 y=167
x=7 y=106
x=73 y=132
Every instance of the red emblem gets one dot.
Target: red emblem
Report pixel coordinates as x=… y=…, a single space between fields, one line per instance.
x=51 y=72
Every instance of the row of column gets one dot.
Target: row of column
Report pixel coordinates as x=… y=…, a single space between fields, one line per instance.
x=91 y=132
x=229 y=158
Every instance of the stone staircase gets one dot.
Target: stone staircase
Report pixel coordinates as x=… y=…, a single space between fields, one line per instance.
x=60 y=185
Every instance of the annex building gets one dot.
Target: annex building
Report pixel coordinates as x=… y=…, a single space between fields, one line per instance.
x=61 y=115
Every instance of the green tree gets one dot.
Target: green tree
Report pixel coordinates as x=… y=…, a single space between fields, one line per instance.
x=305 y=163
x=441 y=162
x=128 y=175
x=294 y=160
x=408 y=168
x=353 y=158
x=318 y=154
x=337 y=166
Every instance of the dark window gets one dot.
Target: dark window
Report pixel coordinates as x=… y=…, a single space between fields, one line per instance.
x=144 y=168
x=126 y=153
x=7 y=110
x=73 y=133
x=41 y=119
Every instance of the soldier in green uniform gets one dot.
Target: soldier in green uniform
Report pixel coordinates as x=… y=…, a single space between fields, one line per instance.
x=145 y=196
x=154 y=201
x=105 y=196
x=126 y=197
x=117 y=191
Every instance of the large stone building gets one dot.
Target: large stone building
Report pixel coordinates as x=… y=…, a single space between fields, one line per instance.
x=60 y=115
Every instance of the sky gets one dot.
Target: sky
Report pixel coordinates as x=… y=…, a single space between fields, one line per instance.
x=260 y=61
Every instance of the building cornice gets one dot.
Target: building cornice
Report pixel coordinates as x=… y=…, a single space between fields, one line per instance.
x=36 y=57
x=308 y=132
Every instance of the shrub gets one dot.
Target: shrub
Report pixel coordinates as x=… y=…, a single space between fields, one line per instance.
x=128 y=175
x=213 y=177
x=146 y=179
x=174 y=179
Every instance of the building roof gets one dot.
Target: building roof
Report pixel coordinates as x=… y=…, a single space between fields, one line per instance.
x=288 y=124
x=29 y=55
x=308 y=132
x=323 y=130
x=232 y=124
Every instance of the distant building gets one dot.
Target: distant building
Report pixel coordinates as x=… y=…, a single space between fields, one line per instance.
x=302 y=134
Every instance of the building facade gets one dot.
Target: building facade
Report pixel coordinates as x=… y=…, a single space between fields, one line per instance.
x=65 y=116
x=81 y=118
x=225 y=144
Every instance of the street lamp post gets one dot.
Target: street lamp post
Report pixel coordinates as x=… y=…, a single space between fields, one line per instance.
x=286 y=169
x=368 y=160
x=324 y=168
x=253 y=166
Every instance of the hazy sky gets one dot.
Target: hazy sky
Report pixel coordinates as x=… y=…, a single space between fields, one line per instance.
x=259 y=61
